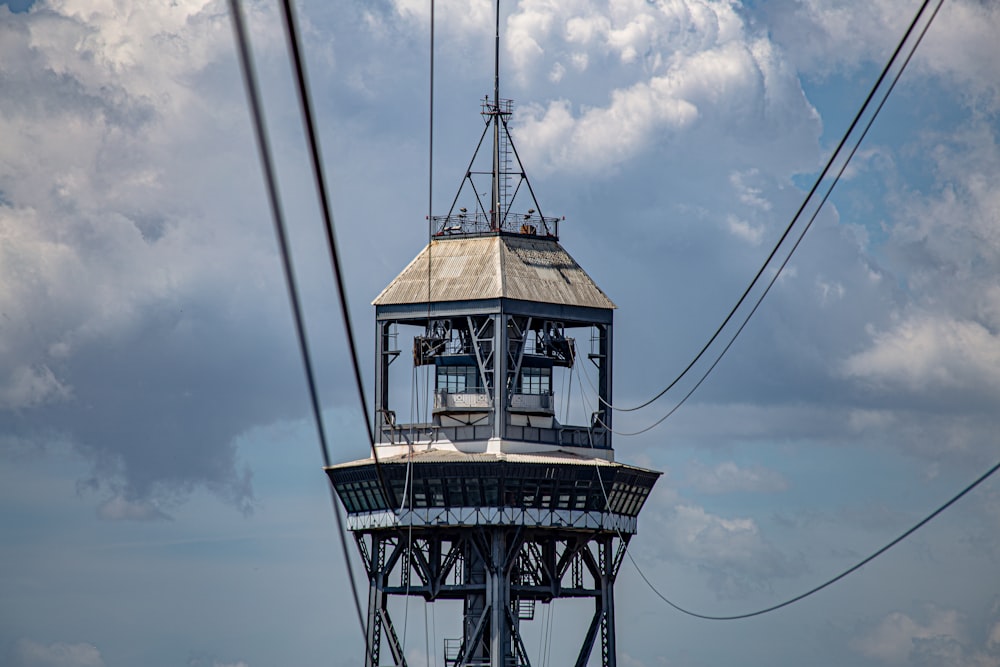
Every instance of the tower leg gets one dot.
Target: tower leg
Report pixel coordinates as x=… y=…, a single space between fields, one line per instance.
x=609 y=650
x=376 y=600
x=498 y=599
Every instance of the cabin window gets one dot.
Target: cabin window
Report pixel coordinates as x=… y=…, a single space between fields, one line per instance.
x=458 y=379
x=535 y=381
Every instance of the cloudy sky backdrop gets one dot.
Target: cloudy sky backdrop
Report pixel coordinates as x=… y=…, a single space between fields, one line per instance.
x=161 y=496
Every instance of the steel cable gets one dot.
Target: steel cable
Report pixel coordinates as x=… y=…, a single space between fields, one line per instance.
x=854 y=568
x=795 y=245
x=267 y=166
x=798 y=213
x=305 y=104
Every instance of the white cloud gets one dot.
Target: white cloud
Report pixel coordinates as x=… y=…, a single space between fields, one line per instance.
x=119 y=508
x=653 y=71
x=944 y=340
x=892 y=639
x=830 y=291
x=201 y=660
x=557 y=73
x=131 y=242
x=732 y=552
x=28 y=387
x=467 y=20
x=752 y=234
x=751 y=195
x=935 y=637
x=728 y=477
x=600 y=138
x=929 y=354
x=959 y=48
x=993 y=642
x=28 y=653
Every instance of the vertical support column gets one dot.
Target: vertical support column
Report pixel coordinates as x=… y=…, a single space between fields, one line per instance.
x=382 y=360
x=609 y=649
x=500 y=354
x=376 y=601
x=604 y=378
x=498 y=600
x=476 y=605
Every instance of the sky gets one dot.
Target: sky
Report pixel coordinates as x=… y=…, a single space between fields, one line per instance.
x=161 y=491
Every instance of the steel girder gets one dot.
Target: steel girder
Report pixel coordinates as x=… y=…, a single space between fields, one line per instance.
x=499 y=573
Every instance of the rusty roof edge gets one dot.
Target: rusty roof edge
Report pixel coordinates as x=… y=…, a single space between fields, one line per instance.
x=392 y=282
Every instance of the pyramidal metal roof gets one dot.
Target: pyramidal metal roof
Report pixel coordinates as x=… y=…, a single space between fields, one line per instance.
x=528 y=268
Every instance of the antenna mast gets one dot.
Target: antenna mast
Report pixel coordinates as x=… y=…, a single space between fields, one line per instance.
x=495 y=206
x=490 y=211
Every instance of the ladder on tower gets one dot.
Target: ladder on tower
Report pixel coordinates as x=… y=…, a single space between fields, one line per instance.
x=453 y=655
x=452 y=651
x=504 y=175
x=525 y=608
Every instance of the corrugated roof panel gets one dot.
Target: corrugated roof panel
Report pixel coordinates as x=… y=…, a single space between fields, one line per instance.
x=490 y=267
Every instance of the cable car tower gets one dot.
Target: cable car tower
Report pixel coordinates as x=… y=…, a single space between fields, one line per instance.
x=493 y=501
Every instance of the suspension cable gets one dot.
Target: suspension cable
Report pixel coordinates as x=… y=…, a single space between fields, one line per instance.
x=795 y=218
x=305 y=104
x=795 y=245
x=267 y=166
x=829 y=582
x=854 y=568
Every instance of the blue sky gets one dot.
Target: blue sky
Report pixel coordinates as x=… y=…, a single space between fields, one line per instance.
x=162 y=499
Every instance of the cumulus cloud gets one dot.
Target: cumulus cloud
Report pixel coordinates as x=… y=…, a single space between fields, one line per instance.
x=750 y=233
x=928 y=354
x=736 y=558
x=199 y=660
x=931 y=636
x=136 y=273
x=29 y=653
x=119 y=508
x=945 y=340
x=463 y=27
x=657 y=69
x=892 y=640
x=728 y=477
x=829 y=38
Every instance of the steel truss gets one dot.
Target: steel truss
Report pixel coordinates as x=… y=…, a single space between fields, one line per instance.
x=500 y=573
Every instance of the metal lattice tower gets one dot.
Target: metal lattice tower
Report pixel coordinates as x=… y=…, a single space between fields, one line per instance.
x=494 y=502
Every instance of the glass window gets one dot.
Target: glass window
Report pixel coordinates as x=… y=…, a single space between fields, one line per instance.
x=474 y=492
x=436 y=492
x=455 y=492
x=458 y=379
x=490 y=492
x=535 y=381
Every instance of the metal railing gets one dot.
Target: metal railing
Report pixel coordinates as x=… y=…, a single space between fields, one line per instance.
x=534 y=402
x=480 y=222
x=565 y=436
x=478 y=400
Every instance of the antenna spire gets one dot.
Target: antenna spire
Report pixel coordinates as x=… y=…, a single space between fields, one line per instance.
x=496 y=59
x=506 y=176
x=496 y=217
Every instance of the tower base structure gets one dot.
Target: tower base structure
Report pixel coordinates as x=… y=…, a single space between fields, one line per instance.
x=500 y=532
